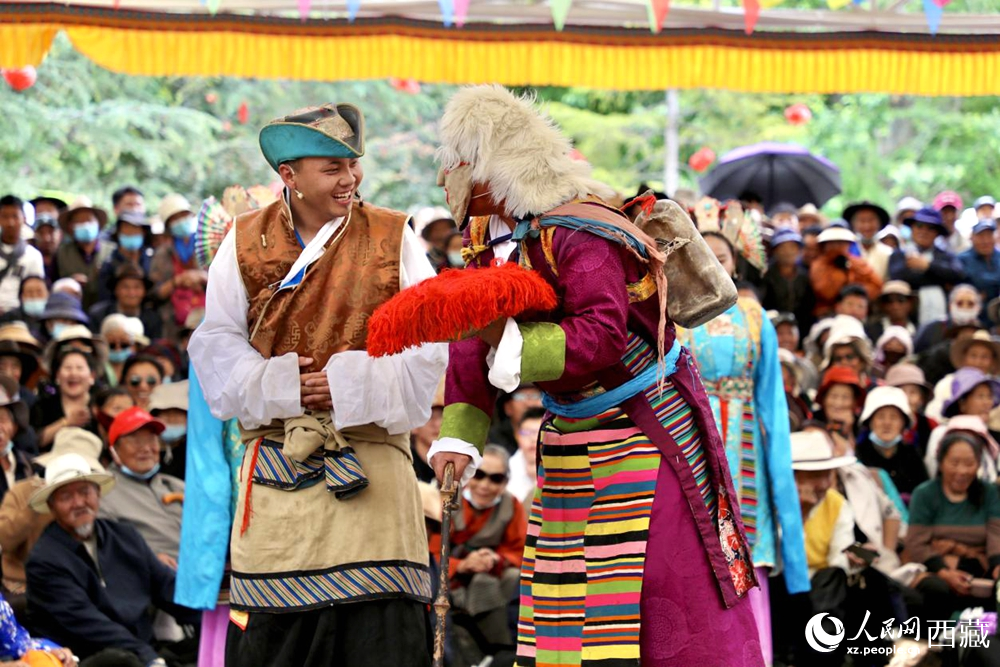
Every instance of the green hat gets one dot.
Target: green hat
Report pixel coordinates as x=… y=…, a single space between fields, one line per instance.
x=330 y=130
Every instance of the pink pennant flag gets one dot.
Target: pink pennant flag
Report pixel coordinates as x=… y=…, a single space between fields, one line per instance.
x=461 y=11
x=660 y=10
x=304 y=6
x=941 y=3
x=751 y=12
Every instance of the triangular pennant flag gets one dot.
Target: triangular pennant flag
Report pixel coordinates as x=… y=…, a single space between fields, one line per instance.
x=660 y=10
x=933 y=12
x=352 y=9
x=461 y=11
x=837 y=4
x=560 y=10
x=942 y=3
x=447 y=12
x=768 y=4
x=213 y=5
x=304 y=6
x=751 y=12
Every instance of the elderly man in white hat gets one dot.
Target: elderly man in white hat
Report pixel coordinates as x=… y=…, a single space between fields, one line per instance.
x=92 y=582
x=178 y=282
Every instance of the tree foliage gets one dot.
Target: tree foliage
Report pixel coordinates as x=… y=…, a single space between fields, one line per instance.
x=82 y=129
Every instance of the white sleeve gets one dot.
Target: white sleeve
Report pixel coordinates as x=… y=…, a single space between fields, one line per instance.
x=843 y=537
x=236 y=380
x=394 y=392
x=456 y=446
x=505 y=360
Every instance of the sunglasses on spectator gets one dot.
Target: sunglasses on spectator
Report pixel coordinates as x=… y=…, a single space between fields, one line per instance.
x=496 y=477
x=150 y=380
x=844 y=358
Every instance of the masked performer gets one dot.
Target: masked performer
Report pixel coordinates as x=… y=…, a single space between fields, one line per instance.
x=635 y=553
x=329 y=551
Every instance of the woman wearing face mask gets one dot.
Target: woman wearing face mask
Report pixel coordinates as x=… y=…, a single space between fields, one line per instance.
x=132 y=234
x=33 y=295
x=169 y=404
x=14 y=460
x=178 y=282
x=453 y=250
x=122 y=335
x=61 y=311
x=887 y=417
x=973 y=395
x=69 y=402
x=964 y=307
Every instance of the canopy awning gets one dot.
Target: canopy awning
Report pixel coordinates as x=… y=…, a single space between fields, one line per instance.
x=604 y=45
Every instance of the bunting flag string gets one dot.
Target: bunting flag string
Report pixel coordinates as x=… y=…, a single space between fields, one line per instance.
x=304 y=6
x=933 y=11
x=461 y=12
x=447 y=12
x=751 y=12
x=560 y=10
x=352 y=9
x=658 y=10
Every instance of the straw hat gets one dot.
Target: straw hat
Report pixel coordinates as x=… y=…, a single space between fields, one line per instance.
x=76 y=332
x=82 y=204
x=887 y=397
x=68 y=469
x=18 y=332
x=172 y=396
x=74 y=440
x=961 y=346
x=811 y=450
x=173 y=204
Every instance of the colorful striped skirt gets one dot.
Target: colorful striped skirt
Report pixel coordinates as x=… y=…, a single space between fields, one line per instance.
x=615 y=573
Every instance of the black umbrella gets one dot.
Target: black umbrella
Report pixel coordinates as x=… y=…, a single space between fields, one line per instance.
x=776 y=172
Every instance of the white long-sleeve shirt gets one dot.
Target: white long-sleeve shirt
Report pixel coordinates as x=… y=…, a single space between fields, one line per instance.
x=394 y=392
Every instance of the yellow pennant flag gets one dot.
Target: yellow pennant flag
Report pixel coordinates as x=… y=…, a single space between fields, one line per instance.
x=837 y=4
x=767 y=4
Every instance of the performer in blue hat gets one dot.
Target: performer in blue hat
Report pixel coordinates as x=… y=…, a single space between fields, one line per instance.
x=329 y=552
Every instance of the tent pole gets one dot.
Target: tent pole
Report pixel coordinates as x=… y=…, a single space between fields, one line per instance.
x=671 y=143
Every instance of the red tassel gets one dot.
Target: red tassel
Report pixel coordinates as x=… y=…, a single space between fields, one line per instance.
x=454 y=304
x=247 y=500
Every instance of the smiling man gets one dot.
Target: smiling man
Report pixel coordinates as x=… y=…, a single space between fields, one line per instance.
x=329 y=551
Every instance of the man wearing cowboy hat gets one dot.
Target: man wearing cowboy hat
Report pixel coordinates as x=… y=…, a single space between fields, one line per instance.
x=290 y=292
x=82 y=254
x=867 y=219
x=92 y=582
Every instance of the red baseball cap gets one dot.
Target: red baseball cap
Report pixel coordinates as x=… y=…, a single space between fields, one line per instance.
x=947 y=198
x=132 y=420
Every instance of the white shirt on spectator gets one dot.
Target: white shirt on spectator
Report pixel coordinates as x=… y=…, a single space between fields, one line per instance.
x=394 y=392
x=29 y=264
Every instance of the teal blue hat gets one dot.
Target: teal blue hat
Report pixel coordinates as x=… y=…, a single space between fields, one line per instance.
x=330 y=130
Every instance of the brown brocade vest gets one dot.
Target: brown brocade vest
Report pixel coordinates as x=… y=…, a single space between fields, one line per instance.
x=328 y=311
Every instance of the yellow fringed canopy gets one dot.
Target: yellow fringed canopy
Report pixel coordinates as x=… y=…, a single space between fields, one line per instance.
x=148 y=43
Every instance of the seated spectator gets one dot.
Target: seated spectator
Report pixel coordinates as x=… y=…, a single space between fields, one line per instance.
x=15 y=459
x=165 y=353
x=835 y=268
x=894 y=308
x=33 y=296
x=69 y=403
x=890 y=236
x=954 y=528
x=92 y=582
x=910 y=379
x=178 y=281
x=18 y=260
x=132 y=237
x=786 y=286
x=69 y=287
x=974 y=394
x=852 y=301
x=929 y=269
x=981 y=262
x=83 y=254
x=887 y=417
x=980 y=350
x=20 y=526
x=848 y=345
x=128 y=288
x=422 y=437
x=894 y=345
x=144 y=497
x=867 y=220
x=838 y=403
x=61 y=311
x=19 y=362
x=948 y=204
x=48 y=236
x=169 y=404
x=487 y=547
x=123 y=336
x=140 y=376
x=108 y=404
x=965 y=306
x=524 y=463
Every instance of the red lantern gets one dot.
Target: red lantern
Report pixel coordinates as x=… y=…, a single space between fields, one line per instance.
x=408 y=86
x=20 y=78
x=798 y=114
x=243 y=113
x=701 y=159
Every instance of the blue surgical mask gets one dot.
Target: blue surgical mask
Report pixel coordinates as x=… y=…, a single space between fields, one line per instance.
x=87 y=232
x=455 y=259
x=173 y=433
x=183 y=228
x=885 y=444
x=57 y=329
x=143 y=477
x=131 y=243
x=33 y=307
x=119 y=356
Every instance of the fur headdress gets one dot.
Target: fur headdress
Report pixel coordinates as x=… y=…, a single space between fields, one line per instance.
x=515 y=149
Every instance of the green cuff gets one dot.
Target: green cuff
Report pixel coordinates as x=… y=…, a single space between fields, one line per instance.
x=465 y=422
x=543 y=357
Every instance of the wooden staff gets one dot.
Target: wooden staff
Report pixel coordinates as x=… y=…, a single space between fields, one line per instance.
x=441 y=605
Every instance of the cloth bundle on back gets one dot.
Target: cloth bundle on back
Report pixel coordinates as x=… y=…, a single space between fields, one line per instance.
x=625 y=433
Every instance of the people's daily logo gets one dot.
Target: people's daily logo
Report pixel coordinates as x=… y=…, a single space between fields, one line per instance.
x=819 y=639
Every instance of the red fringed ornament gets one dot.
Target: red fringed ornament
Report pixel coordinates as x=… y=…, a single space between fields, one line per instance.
x=455 y=304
